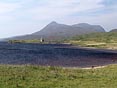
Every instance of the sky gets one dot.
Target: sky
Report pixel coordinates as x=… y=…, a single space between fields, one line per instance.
x=19 y=17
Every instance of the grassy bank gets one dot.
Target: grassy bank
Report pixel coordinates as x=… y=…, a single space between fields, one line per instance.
x=97 y=40
x=55 y=77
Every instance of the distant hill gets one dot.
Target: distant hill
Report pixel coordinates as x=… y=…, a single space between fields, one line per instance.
x=113 y=30
x=106 y=40
x=98 y=37
x=55 y=30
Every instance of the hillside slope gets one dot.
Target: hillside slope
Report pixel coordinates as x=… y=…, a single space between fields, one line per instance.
x=113 y=30
x=99 y=40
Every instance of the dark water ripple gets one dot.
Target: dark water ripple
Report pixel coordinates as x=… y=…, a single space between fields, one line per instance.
x=54 y=54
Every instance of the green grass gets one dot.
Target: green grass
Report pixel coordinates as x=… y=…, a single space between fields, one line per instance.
x=56 y=77
x=97 y=40
x=98 y=37
x=25 y=41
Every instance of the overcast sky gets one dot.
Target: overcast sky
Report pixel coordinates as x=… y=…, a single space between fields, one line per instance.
x=18 y=17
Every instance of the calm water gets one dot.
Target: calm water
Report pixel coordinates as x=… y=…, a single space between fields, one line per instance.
x=54 y=54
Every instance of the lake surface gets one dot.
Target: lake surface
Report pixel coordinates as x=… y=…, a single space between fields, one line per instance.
x=54 y=55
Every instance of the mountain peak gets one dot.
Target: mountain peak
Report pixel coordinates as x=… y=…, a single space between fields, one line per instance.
x=84 y=24
x=53 y=22
x=81 y=24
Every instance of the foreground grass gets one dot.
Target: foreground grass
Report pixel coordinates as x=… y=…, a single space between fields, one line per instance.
x=55 y=77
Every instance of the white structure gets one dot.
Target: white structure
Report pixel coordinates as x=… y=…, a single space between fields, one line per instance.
x=41 y=39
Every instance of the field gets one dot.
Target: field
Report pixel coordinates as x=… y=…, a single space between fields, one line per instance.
x=27 y=76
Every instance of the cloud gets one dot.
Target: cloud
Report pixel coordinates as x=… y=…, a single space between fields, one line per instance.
x=5 y=18
x=105 y=20
x=53 y=9
x=8 y=7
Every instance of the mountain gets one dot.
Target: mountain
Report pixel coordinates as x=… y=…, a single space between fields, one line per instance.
x=55 y=30
x=113 y=30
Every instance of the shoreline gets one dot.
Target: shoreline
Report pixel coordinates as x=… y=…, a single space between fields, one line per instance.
x=62 y=67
